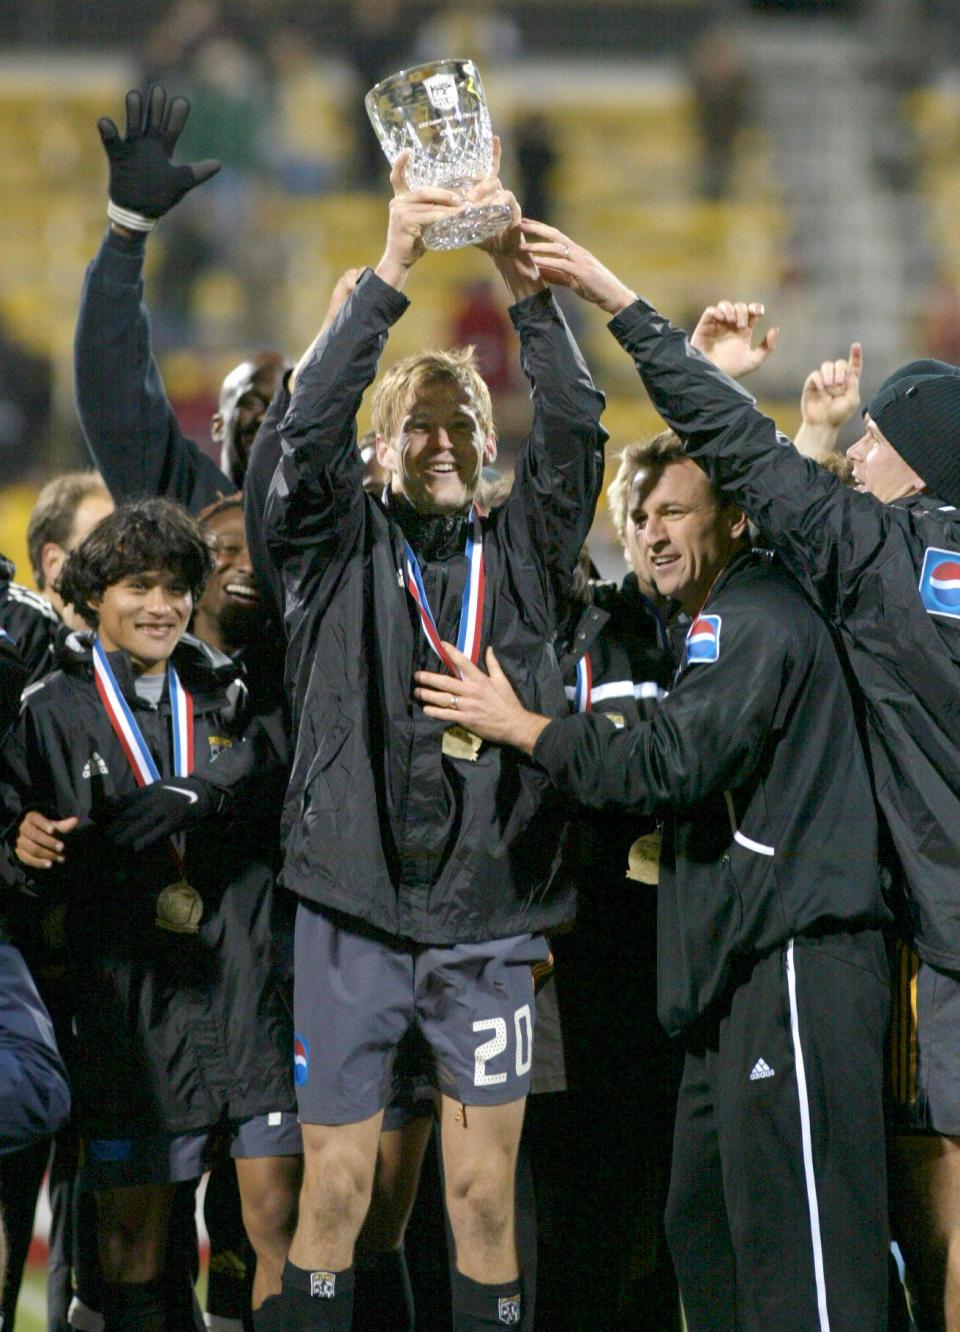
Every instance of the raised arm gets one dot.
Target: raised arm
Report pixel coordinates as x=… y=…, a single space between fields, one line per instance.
x=318 y=483
x=559 y=470
x=825 y=532
x=131 y=431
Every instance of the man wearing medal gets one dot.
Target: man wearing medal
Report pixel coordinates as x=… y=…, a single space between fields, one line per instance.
x=179 y=1016
x=424 y=861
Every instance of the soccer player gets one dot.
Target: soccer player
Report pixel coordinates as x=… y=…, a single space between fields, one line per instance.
x=771 y=967
x=169 y=945
x=423 y=861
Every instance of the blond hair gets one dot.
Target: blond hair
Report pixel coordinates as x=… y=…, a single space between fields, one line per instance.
x=55 y=513
x=395 y=389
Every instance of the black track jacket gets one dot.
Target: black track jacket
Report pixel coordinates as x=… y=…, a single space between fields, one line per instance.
x=863 y=562
x=173 y=1030
x=379 y=824
x=754 y=763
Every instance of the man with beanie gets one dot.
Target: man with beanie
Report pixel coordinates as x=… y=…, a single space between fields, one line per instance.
x=883 y=564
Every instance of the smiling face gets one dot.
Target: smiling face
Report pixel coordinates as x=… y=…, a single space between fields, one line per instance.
x=230 y=610
x=685 y=537
x=437 y=453
x=144 y=615
x=244 y=398
x=878 y=468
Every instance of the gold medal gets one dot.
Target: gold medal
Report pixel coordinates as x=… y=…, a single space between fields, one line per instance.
x=179 y=908
x=460 y=743
x=643 y=862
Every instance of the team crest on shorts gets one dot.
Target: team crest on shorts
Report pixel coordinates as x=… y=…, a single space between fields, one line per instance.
x=323 y=1285
x=940 y=582
x=301 y=1060
x=508 y=1309
x=703 y=640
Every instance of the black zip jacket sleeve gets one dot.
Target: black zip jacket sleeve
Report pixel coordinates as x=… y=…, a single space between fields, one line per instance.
x=862 y=561
x=754 y=763
x=130 y=428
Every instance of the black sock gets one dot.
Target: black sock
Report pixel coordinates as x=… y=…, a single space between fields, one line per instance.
x=134 y=1306
x=476 y=1306
x=383 y=1301
x=309 y=1301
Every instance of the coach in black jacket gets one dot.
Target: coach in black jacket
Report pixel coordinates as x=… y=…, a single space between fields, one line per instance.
x=416 y=847
x=770 y=961
x=884 y=566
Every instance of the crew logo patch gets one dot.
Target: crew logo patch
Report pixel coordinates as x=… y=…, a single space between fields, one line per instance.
x=323 y=1285
x=508 y=1309
x=703 y=640
x=301 y=1060
x=940 y=582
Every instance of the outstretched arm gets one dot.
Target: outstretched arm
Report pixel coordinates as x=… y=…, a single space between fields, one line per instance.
x=803 y=509
x=131 y=431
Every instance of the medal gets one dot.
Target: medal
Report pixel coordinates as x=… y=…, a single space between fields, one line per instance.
x=643 y=860
x=460 y=743
x=471 y=609
x=179 y=907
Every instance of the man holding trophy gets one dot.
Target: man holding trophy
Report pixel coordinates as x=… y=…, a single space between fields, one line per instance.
x=425 y=861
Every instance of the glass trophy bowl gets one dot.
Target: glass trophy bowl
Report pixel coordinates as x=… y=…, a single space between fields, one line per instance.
x=439 y=112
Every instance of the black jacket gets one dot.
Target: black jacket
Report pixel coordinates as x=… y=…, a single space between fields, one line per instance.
x=861 y=561
x=28 y=623
x=132 y=433
x=755 y=765
x=173 y=1030
x=380 y=825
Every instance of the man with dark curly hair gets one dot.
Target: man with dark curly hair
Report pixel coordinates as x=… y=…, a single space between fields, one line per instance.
x=179 y=1016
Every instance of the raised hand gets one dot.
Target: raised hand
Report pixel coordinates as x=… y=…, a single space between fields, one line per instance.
x=38 y=840
x=144 y=182
x=410 y=212
x=564 y=263
x=831 y=394
x=724 y=334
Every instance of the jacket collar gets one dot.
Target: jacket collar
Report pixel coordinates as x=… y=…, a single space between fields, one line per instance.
x=433 y=536
x=204 y=671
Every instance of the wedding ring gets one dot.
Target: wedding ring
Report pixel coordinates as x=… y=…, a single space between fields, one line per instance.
x=453 y=701
x=566 y=252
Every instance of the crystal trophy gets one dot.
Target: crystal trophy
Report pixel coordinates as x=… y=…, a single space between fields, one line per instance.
x=439 y=112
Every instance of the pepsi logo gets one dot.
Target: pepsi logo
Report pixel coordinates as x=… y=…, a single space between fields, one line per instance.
x=703 y=639
x=940 y=582
x=945 y=583
x=301 y=1060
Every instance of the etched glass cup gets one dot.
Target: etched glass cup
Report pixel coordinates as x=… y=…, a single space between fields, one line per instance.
x=439 y=112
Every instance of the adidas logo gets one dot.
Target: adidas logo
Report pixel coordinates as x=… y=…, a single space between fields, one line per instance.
x=761 y=1069
x=94 y=765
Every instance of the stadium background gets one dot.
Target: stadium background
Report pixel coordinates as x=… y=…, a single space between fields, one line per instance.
x=800 y=153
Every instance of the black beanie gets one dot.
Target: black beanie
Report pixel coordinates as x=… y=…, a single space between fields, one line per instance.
x=917 y=409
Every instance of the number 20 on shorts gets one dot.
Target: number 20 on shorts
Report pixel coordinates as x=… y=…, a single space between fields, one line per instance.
x=523 y=1037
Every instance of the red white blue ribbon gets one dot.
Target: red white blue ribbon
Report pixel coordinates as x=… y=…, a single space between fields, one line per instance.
x=471 y=609
x=128 y=731
x=583 y=694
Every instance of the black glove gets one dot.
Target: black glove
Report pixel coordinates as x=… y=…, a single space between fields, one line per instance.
x=160 y=809
x=144 y=183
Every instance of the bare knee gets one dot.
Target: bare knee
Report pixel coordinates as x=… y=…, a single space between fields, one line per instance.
x=131 y=1241
x=337 y=1185
x=270 y=1215
x=480 y=1202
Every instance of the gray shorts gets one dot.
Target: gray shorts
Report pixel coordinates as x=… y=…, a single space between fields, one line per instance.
x=358 y=994
x=924 y=1048
x=171 y=1158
